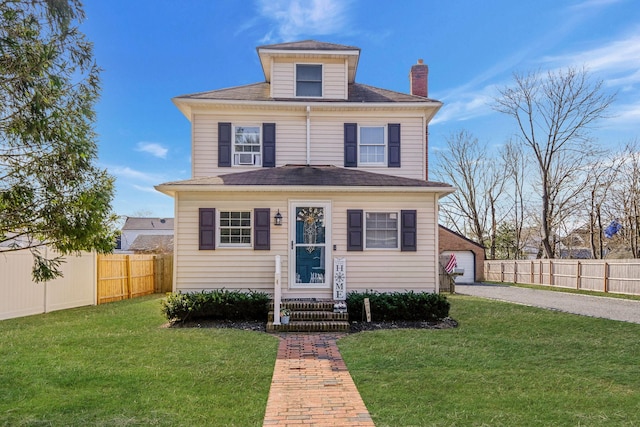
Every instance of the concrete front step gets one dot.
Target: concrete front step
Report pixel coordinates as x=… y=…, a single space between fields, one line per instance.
x=310 y=326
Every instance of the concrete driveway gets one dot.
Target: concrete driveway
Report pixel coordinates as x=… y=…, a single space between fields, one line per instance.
x=585 y=305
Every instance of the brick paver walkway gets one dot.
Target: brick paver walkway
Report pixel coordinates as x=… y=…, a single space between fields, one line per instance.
x=312 y=387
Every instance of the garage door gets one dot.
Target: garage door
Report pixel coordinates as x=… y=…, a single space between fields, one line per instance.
x=466 y=261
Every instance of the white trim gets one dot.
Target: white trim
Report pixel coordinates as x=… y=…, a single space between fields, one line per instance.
x=253 y=154
x=170 y=189
x=295 y=80
x=385 y=146
x=398 y=226
x=219 y=243
x=328 y=263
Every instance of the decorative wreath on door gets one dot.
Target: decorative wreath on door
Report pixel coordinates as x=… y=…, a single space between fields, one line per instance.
x=312 y=219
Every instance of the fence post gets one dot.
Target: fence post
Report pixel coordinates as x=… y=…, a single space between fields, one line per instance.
x=550 y=273
x=515 y=271
x=129 y=279
x=578 y=274
x=531 y=273
x=606 y=277
x=501 y=271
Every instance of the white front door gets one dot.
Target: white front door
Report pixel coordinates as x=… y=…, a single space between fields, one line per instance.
x=310 y=236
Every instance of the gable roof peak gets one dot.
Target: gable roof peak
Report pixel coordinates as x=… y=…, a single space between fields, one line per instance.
x=307 y=45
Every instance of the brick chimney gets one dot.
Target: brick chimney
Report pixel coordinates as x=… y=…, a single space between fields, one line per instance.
x=418 y=84
x=418 y=79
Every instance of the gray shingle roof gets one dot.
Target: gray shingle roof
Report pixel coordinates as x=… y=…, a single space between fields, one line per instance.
x=301 y=175
x=152 y=243
x=308 y=45
x=141 y=223
x=260 y=92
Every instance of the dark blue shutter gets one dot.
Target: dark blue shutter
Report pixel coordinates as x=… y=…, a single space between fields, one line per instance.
x=394 y=145
x=355 y=230
x=269 y=145
x=350 y=145
x=261 y=229
x=207 y=229
x=224 y=145
x=409 y=231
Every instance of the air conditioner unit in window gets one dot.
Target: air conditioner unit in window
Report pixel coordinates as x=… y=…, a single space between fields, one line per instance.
x=245 y=159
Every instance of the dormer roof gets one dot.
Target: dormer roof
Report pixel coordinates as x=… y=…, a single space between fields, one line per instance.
x=309 y=49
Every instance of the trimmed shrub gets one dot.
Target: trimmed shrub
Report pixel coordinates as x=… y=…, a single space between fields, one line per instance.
x=408 y=306
x=219 y=304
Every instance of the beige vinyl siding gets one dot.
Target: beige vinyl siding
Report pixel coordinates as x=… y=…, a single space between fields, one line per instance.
x=244 y=268
x=334 y=76
x=327 y=138
x=291 y=131
x=327 y=141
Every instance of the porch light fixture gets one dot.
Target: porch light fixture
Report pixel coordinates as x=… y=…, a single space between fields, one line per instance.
x=277 y=220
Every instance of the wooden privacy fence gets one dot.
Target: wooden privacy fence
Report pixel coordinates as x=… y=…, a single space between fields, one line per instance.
x=129 y=276
x=617 y=276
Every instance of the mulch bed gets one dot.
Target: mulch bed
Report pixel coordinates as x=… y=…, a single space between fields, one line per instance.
x=446 y=323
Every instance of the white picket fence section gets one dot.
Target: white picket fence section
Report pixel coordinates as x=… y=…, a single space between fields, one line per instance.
x=20 y=296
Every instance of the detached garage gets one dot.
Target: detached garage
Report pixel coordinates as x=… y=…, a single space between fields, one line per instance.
x=469 y=254
x=466 y=262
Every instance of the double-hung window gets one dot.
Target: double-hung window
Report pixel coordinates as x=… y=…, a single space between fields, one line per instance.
x=308 y=80
x=381 y=230
x=372 y=145
x=247 y=146
x=235 y=228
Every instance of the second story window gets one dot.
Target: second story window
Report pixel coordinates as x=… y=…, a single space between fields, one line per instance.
x=308 y=80
x=372 y=145
x=247 y=146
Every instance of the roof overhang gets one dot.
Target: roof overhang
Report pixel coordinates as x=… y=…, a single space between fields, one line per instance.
x=171 y=189
x=187 y=105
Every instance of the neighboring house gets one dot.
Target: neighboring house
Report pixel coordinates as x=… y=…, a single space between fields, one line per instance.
x=469 y=255
x=134 y=228
x=312 y=167
x=152 y=244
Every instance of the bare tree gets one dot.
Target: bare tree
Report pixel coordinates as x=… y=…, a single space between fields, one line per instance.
x=473 y=210
x=626 y=200
x=515 y=167
x=554 y=114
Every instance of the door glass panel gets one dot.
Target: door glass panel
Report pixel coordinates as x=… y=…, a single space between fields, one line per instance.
x=310 y=265
x=310 y=245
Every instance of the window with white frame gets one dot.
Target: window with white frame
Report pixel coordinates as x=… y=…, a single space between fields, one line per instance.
x=235 y=228
x=381 y=230
x=372 y=145
x=309 y=80
x=247 y=145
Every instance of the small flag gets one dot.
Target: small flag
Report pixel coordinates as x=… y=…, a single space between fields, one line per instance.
x=451 y=264
x=612 y=229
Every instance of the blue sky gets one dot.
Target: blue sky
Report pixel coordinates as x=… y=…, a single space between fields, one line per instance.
x=153 y=50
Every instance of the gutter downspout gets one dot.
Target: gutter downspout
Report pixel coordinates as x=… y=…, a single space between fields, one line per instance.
x=308 y=135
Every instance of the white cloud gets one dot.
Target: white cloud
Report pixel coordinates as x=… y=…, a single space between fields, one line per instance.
x=294 y=18
x=617 y=56
x=128 y=173
x=152 y=148
x=146 y=189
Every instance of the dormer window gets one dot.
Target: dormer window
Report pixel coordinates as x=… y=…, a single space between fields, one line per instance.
x=308 y=80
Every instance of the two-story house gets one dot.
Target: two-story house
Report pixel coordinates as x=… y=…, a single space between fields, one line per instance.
x=314 y=168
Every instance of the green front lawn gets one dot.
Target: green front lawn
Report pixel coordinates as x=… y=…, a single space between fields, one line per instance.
x=114 y=365
x=505 y=365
